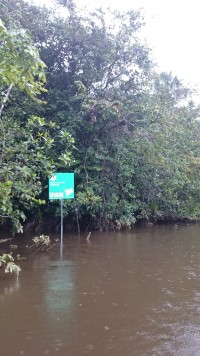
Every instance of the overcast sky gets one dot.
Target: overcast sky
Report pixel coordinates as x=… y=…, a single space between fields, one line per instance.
x=172 y=30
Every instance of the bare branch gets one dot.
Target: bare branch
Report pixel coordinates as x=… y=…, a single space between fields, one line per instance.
x=5 y=99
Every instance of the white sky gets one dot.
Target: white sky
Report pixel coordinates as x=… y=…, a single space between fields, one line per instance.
x=172 y=30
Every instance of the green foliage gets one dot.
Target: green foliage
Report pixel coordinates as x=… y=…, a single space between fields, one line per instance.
x=24 y=159
x=27 y=142
x=19 y=62
x=42 y=240
x=7 y=262
x=135 y=132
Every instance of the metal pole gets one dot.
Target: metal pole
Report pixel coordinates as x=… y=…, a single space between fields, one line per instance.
x=61 y=220
x=61 y=228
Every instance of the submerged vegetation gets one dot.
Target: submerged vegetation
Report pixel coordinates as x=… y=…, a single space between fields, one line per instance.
x=81 y=94
x=7 y=262
x=42 y=243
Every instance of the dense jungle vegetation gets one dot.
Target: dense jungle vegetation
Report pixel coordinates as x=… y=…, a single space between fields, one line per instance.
x=80 y=93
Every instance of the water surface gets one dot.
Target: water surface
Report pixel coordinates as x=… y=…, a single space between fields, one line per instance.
x=135 y=293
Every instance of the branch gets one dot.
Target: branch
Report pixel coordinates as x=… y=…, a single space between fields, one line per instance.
x=5 y=99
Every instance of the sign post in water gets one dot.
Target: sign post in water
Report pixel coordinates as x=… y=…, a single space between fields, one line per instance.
x=61 y=187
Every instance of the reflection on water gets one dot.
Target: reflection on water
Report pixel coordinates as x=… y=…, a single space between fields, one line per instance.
x=61 y=248
x=10 y=288
x=59 y=281
x=135 y=293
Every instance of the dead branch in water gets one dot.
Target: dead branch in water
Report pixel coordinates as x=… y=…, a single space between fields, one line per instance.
x=88 y=236
x=5 y=240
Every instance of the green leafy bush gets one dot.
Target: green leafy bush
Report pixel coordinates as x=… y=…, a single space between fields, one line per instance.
x=7 y=262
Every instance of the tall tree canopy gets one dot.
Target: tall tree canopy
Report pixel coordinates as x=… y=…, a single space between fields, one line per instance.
x=136 y=133
x=26 y=140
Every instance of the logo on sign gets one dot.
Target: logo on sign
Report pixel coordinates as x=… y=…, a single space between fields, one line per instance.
x=69 y=191
x=53 y=178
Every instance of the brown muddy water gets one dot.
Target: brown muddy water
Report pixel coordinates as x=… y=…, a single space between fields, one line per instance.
x=135 y=293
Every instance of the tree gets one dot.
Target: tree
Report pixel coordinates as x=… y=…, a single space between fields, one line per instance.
x=135 y=131
x=25 y=144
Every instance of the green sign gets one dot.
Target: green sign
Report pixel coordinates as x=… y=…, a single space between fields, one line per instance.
x=61 y=186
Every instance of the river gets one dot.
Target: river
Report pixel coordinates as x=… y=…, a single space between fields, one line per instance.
x=120 y=294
